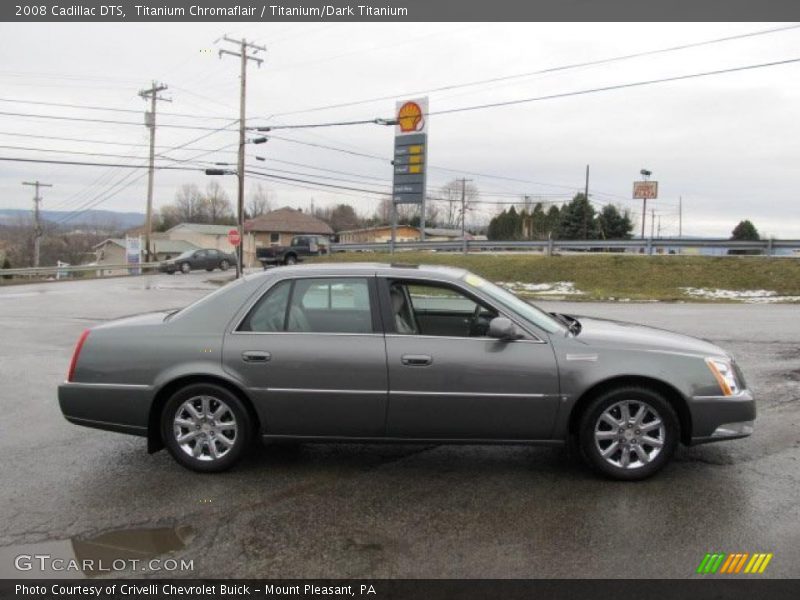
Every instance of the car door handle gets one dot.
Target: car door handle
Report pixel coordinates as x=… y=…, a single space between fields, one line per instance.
x=256 y=356
x=416 y=360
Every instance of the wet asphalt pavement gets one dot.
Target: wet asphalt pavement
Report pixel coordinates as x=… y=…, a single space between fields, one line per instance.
x=394 y=511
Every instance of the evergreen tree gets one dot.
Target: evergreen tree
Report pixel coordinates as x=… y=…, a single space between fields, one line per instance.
x=745 y=230
x=577 y=220
x=613 y=224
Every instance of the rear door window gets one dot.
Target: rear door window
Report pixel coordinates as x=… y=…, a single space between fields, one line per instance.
x=324 y=305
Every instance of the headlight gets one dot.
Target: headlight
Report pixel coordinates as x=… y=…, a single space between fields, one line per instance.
x=724 y=374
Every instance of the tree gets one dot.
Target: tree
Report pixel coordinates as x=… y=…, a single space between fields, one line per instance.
x=613 y=224
x=215 y=206
x=745 y=231
x=577 y=220
x=258 y=202
x=6 y=265
x=343 y=217
x=449 y=198
x=505 y=226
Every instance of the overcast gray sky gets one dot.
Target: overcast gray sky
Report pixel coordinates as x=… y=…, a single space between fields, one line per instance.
x=728 y=144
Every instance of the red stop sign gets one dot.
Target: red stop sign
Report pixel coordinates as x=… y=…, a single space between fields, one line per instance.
x=233 y=237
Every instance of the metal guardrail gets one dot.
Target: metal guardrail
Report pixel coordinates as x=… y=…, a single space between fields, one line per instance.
x=67 y=271
x=646 y=246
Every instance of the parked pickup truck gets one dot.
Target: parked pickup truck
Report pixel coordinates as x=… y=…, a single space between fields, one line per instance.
x=301 y=247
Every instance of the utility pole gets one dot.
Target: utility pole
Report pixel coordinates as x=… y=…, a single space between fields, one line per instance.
x=244 y=46
x=652 y=221
x=150 y=123
x=464 y=213
x=586 y=189
x=659 y=226
x=37 y=228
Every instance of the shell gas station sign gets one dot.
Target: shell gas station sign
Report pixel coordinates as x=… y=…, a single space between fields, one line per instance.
x=410 y=151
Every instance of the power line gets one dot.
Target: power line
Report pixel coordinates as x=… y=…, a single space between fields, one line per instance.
x=103 y=121
x=107 y=108
x=615 y=87
x=539 y=71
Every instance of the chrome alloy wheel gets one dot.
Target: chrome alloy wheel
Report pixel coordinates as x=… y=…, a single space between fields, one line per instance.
x=205 y=428
x=629 y=434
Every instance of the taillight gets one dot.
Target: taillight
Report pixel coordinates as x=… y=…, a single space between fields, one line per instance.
x=73 y=363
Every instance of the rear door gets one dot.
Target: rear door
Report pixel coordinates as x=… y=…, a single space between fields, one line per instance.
x=448 y=380
x=311 y=352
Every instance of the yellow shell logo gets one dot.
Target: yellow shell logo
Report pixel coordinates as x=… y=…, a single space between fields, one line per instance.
x=409 y=117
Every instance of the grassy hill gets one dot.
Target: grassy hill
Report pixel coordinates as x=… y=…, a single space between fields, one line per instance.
x=621 y=277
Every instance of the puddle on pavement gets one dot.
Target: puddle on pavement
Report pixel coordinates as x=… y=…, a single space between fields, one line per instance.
x=80 y=558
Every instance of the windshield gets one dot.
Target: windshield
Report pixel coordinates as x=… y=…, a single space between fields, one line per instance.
x=186 y=254
x=527 y=311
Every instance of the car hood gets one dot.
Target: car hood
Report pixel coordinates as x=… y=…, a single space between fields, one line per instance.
x=603 y=332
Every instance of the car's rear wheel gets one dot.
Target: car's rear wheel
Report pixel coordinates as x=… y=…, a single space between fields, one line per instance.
x=224 y=265
x=186 y=267
x=629 y=433
x=205 y=427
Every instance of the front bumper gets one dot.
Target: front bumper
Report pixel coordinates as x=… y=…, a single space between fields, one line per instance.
x=720 y=418
x=114 y=407
x=167 y=268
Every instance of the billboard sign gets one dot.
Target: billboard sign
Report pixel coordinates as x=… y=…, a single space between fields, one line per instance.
x=645 y=190
x=410 y=151
x=133 y=254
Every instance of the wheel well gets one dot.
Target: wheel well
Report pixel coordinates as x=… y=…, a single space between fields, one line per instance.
x=288 y=254
x=672 y=395
x=154 y=441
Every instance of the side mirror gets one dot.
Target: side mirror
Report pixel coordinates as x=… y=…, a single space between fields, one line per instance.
x=503 y=329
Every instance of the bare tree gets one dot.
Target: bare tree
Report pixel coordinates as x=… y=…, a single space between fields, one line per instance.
x=215 y=204
x=259 y=202
x=449 y=198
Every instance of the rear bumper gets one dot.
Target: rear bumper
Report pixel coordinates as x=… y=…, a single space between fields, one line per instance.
x=113 y=407
x=720 y=418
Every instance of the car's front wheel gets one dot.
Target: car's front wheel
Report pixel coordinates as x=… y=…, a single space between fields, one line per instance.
x=629 y=433
x=290 y=260
x=224 y=265
x=205 y=427
x=186 y=267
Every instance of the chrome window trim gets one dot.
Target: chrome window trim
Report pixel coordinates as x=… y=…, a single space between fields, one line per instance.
x=455 y=337
x=279 y=279
x=326 y=333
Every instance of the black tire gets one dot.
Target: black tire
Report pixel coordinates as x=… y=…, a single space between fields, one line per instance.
x=290 y=260
x=186 y=268
x=224 y=265
x=206 y=463
x=634 y=397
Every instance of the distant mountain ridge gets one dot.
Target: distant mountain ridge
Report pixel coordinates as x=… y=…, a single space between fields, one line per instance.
x=121 y=220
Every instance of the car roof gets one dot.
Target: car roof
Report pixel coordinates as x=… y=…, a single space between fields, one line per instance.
x=365 y=268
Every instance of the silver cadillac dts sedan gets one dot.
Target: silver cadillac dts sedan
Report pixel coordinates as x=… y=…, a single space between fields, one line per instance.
x=380 y=353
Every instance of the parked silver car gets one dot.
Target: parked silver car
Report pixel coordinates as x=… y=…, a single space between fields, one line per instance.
x=372 y=352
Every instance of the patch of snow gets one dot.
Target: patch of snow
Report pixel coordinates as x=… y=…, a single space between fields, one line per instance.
x=556 y=288
x=748 y=296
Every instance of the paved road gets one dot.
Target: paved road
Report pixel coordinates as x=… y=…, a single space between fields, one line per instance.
x=393 y=511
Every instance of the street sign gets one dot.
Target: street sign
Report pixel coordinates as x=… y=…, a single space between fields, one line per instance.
x=233 y=237
x=645 y=190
